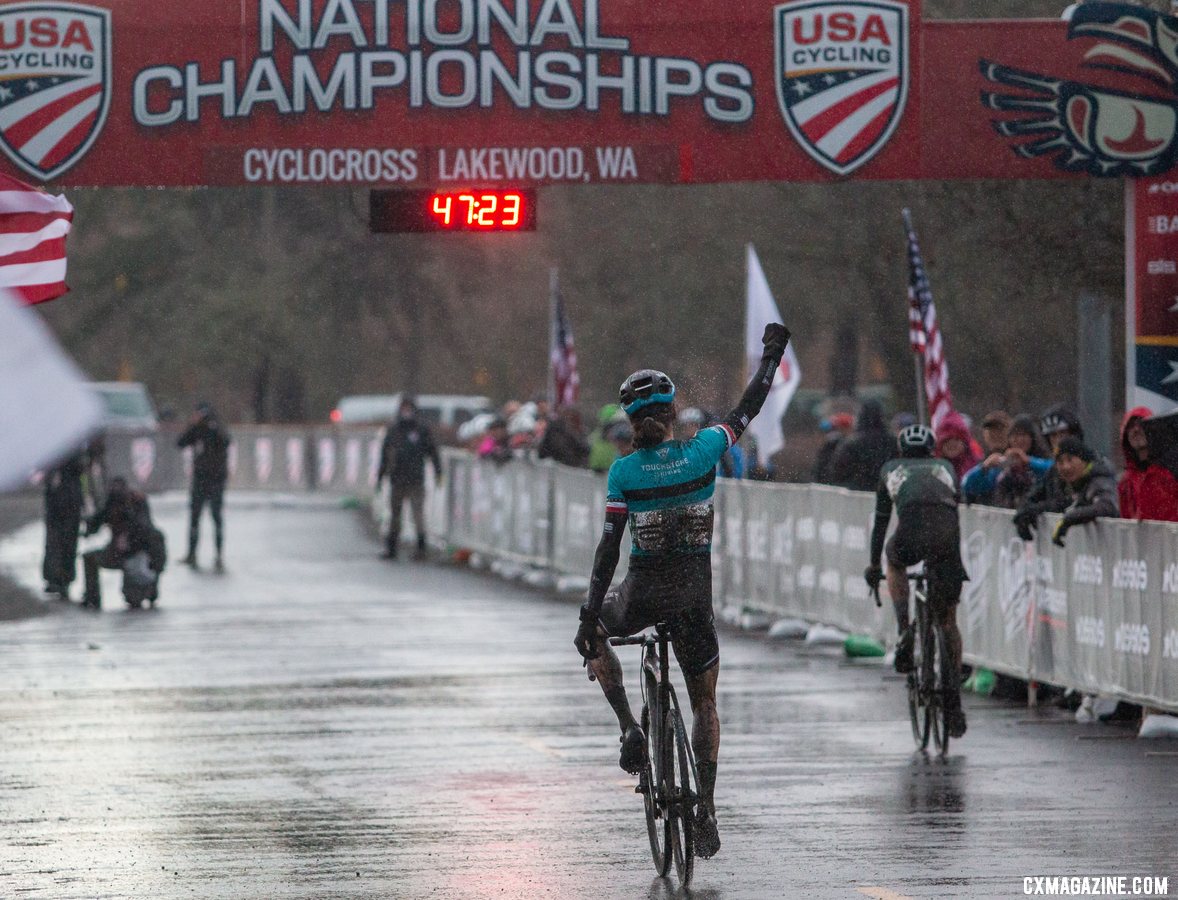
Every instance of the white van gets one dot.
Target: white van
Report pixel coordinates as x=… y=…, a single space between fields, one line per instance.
x=448 y=410
x=126 y=406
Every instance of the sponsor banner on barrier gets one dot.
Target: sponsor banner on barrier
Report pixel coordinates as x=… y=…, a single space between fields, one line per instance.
x=1098 y=615
x=263 y=460
x=352 y=457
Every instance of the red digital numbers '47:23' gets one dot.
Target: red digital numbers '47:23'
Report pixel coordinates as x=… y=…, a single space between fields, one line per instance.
x=477 y=211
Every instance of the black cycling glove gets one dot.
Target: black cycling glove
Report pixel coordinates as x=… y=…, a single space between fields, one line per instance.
x=586 y=639
x=775 y=340
x=1025 y=521
x=873 y=575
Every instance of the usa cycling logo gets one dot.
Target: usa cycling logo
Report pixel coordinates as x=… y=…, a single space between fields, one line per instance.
x=54 y=83
x=842 y=77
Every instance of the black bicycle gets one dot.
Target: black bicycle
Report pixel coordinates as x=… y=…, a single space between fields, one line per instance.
x=928 y=680
x=669 y=783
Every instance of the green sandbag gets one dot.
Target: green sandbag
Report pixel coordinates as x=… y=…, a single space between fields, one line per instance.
x=984 y=681
x=860 y=645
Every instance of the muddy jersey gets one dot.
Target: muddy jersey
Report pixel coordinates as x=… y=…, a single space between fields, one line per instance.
x=923 y=481
x=666 y=493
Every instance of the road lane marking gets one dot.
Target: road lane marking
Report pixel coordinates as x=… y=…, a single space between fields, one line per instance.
x=541 y=747
x=881 y=893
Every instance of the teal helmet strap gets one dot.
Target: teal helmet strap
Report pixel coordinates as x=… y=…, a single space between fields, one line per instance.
x=649 y=401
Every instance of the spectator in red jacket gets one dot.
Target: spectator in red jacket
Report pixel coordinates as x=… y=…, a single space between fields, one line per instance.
x=956 y=444
x=1146 y=490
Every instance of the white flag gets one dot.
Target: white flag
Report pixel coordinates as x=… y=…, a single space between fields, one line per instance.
x=761 y=310
x=46 y=409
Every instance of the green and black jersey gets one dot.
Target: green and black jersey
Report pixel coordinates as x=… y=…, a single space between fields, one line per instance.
x=909 y=484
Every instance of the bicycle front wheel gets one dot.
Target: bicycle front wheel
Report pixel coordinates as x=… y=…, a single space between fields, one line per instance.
x=680 y=787
x=658 y=823
x=919 y=680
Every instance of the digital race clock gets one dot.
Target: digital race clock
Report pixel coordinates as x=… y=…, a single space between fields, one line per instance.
x=450 y=211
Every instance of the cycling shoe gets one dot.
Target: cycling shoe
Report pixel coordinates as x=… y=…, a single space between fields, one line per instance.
x=633 y=757
x=955 y=722
x=903 y=663
x=707 y=834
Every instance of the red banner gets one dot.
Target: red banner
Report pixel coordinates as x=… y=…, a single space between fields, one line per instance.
x=1153 y=250
x=516 y=92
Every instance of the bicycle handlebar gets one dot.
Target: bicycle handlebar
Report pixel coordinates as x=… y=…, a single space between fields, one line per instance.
x=623 y=641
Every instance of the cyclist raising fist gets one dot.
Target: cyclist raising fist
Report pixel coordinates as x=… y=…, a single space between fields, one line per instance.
x=664 y=491
x=925 y=493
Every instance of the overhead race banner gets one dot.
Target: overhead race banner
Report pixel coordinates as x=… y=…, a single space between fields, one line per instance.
x=1152 y=252
x=435 y=93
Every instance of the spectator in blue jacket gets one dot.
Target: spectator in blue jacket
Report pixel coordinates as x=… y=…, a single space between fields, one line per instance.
x=1004 y=479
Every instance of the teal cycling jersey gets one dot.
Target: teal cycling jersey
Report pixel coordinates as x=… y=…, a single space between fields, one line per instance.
x=666 y=493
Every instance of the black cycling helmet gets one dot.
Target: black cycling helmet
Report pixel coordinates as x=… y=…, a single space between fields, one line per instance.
x=1059 y=418
x=915 y=439
x=644 y=387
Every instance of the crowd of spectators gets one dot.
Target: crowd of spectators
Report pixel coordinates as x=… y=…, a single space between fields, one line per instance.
x=1032 y=465
x=533 y=430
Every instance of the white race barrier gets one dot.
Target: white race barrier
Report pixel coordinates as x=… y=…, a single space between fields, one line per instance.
x=1099 y=616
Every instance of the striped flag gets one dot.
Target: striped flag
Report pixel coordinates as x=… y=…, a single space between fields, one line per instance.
x=565 y=379
x=924 y=333
x=33 y=228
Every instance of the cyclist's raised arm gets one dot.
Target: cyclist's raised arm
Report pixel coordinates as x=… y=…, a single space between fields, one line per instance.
x=775 y=340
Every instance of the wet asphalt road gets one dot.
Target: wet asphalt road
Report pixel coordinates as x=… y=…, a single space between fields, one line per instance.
x=319 y=724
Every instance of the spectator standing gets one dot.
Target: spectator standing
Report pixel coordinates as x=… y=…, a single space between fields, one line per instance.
x=602 y=449
x=496 y=444
x=837 y=429
x=564 y=439
x=1147 y=490
x=1056 y=425
x=856 y=463
x=64 y=499
x=210 y=470
x=1024 y=465
x=613 y=432
x=621 y=437
x=977 y=486
x=955 y=444
x=1089 y=483
x=996 y=432
x=1089 y=491
x=408 y=443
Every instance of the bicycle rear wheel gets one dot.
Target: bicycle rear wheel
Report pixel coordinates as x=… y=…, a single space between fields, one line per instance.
x=680 y=787
x=658 y=824
x=931 y=682
x=943 y=673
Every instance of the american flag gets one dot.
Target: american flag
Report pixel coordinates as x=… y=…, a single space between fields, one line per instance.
x=565 y=379
x=33 y=227
x=924 y=333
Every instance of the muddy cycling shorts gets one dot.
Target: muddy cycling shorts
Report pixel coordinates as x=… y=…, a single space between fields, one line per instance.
x=679 y=594
x=931 y=534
